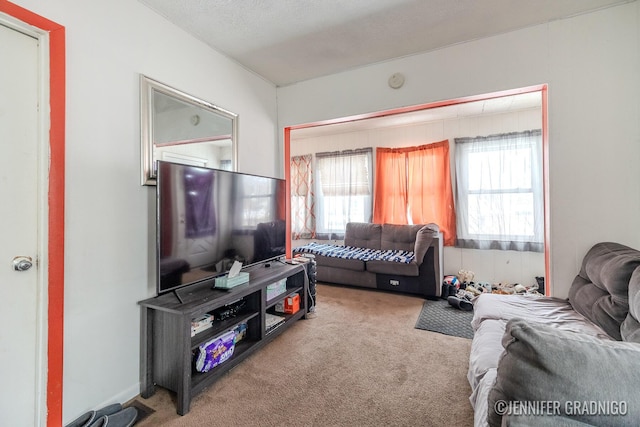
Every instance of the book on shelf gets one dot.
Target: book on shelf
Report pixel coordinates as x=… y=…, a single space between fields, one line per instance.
x=272 y=321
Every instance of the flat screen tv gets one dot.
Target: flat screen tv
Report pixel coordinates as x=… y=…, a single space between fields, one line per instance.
x=209 y=218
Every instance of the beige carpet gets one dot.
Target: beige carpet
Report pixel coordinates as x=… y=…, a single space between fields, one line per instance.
x=359 y=362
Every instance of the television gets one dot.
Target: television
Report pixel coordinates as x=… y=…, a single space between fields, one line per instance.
x=209 y=218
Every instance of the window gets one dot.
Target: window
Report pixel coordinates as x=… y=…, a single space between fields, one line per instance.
x=343 y=190
x=499 y=182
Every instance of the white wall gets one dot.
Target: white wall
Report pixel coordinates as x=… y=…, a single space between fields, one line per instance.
x=490 y=266
x=590 y=62
x=109 y=216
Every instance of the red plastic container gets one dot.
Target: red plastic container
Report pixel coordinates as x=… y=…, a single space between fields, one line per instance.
x=292 y=304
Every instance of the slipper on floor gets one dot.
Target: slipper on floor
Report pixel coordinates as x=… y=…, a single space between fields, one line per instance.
x=88 y=418
x=124 y=418
x=460 y=303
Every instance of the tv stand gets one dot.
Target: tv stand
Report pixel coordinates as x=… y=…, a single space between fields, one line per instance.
x=166 y=352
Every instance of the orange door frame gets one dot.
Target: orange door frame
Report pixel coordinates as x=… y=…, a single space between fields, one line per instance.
x=545 y=151
x=55 y=279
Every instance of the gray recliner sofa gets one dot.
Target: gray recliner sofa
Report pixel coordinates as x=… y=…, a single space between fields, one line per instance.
x=576 y=358
x=403 y=258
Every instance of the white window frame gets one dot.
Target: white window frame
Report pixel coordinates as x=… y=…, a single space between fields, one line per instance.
x=501 y=173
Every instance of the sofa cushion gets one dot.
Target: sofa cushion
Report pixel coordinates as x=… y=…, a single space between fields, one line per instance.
x=363 y=235
x=544 y=364
x=394 y=262
x=399 y=237
x=347 y=264
x=600 y=291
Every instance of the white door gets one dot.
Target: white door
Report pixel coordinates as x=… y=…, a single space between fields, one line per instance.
x=19 y=123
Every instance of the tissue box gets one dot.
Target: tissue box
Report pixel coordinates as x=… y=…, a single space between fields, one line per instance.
x=227 y=282
x=277 y=288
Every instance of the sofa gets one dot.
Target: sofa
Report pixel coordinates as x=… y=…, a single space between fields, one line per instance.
x=403 y=258
x=546 y=361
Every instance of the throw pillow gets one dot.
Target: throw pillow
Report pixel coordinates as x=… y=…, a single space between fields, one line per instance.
x=548 y=372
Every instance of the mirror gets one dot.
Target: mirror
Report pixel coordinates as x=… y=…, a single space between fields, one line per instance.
x=181 y=128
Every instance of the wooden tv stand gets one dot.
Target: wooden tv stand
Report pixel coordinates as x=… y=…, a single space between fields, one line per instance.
x=167 y=348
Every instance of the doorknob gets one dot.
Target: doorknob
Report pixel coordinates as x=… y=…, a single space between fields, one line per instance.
x=22 y=263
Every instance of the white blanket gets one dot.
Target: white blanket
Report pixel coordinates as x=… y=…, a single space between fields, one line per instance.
x=491 y=313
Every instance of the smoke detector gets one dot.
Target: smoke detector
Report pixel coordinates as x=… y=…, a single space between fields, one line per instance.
x=396 y=80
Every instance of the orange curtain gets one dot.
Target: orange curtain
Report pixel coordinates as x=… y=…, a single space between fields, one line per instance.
x=430 y=197
x=417 y=180
x=390 y=194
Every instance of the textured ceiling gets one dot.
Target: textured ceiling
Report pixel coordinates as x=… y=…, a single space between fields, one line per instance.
x=287 y=41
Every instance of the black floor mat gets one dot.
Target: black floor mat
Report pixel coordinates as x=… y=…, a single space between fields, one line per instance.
x=440 y=316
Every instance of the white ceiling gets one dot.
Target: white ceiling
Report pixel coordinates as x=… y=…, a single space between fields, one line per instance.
x=288 y=41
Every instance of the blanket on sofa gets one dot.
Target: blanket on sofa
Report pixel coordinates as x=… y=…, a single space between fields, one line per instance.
x=351 y=252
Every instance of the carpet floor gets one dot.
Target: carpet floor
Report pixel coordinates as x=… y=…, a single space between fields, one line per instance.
x=359 y=362
x=439 y=316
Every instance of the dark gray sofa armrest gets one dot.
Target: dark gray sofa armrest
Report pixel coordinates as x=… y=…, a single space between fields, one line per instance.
x=630 y=327
x=424 y=239
x=600 y=291
x=428 y=237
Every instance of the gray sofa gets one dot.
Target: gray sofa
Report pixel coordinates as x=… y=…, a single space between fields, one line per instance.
x=548 y=362
x=403 y=258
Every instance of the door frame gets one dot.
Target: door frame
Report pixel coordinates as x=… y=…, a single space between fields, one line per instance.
x=542 y=88
x=51 y=37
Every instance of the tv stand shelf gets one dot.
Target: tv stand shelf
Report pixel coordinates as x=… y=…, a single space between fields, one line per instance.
x=167 y=348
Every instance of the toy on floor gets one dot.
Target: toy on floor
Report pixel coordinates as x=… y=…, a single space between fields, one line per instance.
x=461 y=290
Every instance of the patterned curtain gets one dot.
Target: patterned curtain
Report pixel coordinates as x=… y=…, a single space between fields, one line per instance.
x=303 y=219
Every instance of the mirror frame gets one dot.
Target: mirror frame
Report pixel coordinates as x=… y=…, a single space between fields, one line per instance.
x=148 y=87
